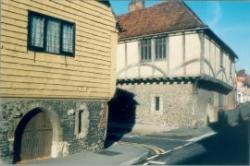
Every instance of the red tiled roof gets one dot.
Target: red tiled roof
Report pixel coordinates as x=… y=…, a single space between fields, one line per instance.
x=167 y=16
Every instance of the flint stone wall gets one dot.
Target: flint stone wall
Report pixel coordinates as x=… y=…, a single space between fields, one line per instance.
x=12 y=111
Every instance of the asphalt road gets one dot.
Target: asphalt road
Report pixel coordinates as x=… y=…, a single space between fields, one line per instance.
x=229 y=147
x=162 y=142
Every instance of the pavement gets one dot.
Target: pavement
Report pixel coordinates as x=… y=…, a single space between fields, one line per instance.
x=170 y=139
x=117 y=154
x=165 y=143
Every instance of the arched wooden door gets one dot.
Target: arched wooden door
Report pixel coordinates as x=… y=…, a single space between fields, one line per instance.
x=33 y=138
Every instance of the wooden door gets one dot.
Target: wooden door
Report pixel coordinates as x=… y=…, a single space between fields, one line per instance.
x=36 y=138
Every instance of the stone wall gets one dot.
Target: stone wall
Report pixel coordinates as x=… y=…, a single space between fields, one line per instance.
x=213 y=99
x=179 y=106
x=207 y=105
x=62 y=115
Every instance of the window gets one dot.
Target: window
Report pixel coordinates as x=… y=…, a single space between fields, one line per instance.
x=80 y=119
x=81 y=123
x=145 y=49
x=156 y=104
x=160 y=48
x=52 y=35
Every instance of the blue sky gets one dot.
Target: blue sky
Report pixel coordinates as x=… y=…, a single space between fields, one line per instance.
x=230 y=20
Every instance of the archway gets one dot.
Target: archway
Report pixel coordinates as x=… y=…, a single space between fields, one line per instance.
x=33 y=137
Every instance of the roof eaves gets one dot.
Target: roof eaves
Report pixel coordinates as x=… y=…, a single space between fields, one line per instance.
x=163 y=33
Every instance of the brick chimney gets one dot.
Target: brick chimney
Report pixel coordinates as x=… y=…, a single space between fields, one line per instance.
x=136 y=5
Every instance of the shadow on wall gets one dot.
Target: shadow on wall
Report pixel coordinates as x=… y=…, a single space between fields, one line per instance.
x=122 y=114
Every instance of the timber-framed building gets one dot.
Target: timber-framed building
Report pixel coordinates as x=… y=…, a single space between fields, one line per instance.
x=179 y=71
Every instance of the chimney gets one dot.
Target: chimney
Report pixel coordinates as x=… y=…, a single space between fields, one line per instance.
x=136 y=5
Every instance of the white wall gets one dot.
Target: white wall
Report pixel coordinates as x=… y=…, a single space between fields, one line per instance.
x=193 y=53
x=172 y=66
x=212 y=54
x=182 y=59
x=176 y=55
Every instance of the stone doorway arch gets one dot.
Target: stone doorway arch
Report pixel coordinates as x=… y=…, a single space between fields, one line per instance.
x=43 y=126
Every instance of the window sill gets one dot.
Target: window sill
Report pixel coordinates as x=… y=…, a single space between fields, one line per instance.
x=160 y=60
x=50 y=53
x=146 y=61
x=41 y=56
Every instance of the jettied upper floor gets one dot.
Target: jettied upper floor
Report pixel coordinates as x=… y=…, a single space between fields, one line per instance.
x=168 y=42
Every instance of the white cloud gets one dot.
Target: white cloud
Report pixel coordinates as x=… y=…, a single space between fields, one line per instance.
x=217 y=12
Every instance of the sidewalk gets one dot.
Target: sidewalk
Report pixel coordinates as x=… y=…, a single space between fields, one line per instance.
x=117 y=154
x=170 y=140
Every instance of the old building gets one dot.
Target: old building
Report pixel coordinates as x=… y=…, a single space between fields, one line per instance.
x=177 y=70
x=243 y=87
x=57 y=73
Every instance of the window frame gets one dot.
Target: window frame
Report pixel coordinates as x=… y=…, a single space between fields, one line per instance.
x=153 y=104
x=157 y=103
x=147 y=47
x=81 y=122
x=152 y=48
x=43 y=49
x=162 y=45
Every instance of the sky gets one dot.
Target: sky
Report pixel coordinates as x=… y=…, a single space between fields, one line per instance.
x=229 y=19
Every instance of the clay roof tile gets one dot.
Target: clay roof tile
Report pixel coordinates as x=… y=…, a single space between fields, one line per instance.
x=167 y=16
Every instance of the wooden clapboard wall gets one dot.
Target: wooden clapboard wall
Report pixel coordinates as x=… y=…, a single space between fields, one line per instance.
x=90 y=74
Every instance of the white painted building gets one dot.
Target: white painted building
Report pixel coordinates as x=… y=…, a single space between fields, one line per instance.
x=169 y=54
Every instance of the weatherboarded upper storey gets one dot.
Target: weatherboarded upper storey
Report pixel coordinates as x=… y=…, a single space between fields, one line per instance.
x=57 y=49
